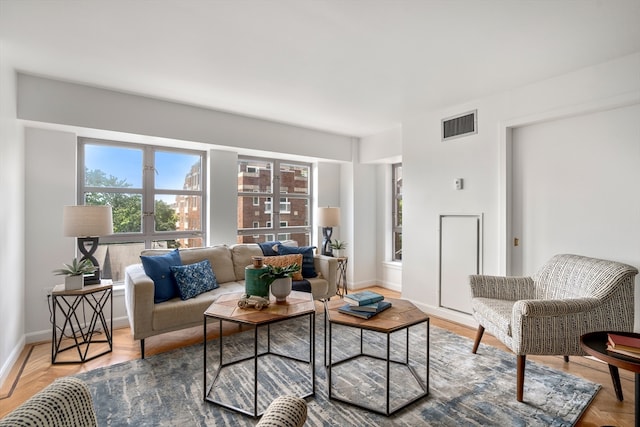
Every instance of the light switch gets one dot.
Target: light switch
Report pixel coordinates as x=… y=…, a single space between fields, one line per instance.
x=458 y=183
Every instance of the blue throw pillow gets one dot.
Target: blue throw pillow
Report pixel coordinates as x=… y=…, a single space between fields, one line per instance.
x=308 y=266
x=194 y=279
x=267 y=248
x=159 y=269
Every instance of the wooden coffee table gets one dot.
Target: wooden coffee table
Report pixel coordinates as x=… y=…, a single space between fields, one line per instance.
x=399 y=317
x=225 y=308
x=595 y=344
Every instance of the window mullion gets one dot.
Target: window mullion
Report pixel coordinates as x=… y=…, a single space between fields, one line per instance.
x=148 y=197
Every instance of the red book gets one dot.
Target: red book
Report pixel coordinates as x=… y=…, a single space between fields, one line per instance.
x=623 y=342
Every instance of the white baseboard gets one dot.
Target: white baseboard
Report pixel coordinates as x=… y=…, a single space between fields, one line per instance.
x=13 y=358
x=447 y=314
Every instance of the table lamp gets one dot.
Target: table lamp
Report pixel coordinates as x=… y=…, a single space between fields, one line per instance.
x=327 y=219
x=88 y=223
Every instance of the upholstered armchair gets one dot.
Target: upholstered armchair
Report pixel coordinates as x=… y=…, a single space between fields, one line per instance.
x=546 y=314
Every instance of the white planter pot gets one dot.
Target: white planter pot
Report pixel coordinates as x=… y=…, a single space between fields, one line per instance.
x=73 y=282
x=281 y=288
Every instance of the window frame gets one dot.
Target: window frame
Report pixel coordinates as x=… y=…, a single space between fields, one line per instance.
x=148 y=192
x=274 y=228
x=396 y=212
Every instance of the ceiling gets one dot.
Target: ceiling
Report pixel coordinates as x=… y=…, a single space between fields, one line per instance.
x=353 y=67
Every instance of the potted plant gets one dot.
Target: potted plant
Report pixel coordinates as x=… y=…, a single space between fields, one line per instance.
x=75 y=272
x=280 y=279
x=338 y=246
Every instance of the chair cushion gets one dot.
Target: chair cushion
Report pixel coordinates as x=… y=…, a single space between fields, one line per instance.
x=496 y=311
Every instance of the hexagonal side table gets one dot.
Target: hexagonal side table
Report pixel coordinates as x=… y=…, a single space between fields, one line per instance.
x=225 y=308
x=399 y=317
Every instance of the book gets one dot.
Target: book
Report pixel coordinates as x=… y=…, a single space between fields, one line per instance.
x=613 y=345
x=631 y=354
x=624 y=342
x=348 y=309
x=363 y=298
x=369 y=307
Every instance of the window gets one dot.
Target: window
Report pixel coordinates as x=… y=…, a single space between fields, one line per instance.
x=268 y=180
x=157 y=195
x=396 y=213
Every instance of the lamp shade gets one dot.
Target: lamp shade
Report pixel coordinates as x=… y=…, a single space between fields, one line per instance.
x=87 y=221
x=328 y=217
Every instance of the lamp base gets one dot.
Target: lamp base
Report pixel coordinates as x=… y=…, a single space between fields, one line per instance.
x=93 y=278
x=326 y=242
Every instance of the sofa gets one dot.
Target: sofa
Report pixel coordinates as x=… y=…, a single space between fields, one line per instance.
x=148 y=318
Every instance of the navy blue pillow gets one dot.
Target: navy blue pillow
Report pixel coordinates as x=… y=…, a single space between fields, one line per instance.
x=194 y=279
x=308 y=266
x=159 y=269
x=267 y=248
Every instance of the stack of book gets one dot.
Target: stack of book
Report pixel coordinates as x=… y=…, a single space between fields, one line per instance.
x=365 y=304
x=622 y=344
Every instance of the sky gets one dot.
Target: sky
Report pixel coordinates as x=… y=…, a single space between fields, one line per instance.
x=126 y=163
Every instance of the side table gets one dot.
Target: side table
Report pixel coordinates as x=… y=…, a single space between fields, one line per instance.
x=83 y=335
x=341 y=279
x=595 y=344
x=225 y=308
x=401 y=316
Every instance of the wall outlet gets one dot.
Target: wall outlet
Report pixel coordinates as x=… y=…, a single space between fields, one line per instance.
x=47 y=291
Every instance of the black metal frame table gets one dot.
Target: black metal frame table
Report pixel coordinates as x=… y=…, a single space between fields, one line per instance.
x=341 y=279
x=595 y=344
x=225 y=308
x=67 y=303
x=400 y=316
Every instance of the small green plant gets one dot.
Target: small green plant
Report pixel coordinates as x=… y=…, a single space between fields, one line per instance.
x=76 y=268
x=338 y=245
x=276 y=272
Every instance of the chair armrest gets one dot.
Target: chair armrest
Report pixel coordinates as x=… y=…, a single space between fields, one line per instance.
x=65 y=402
x=510 y=288
x=546 y=308
x=139 y=292
x=328 y=267
x=285 y=411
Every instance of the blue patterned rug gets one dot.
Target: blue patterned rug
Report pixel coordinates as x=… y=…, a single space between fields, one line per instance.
x=464 y=389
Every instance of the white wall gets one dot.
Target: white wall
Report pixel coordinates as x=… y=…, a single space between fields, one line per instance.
x=12 y=250
x=53 y=101
x=594 y=210
x=429 y=167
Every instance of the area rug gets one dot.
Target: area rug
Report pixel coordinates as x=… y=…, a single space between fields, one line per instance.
x=464 y=389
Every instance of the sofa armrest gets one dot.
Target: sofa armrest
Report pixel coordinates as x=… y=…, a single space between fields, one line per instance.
x=328 y=267
x=285 y=411
x=510 y=288
x=65 y=402
x=139 y=292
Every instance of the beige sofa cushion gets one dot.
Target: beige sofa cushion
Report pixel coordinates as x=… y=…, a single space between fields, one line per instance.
x=242 y=254
x=219 y=256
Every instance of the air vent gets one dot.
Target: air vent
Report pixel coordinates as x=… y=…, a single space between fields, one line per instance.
x=460 y=125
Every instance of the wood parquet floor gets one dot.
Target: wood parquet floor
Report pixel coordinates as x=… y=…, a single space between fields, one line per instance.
x=34 y=371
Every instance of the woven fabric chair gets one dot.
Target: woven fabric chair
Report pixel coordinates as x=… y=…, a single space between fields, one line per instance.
x=285 y=411
x=66 y=402
x=546 y=314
